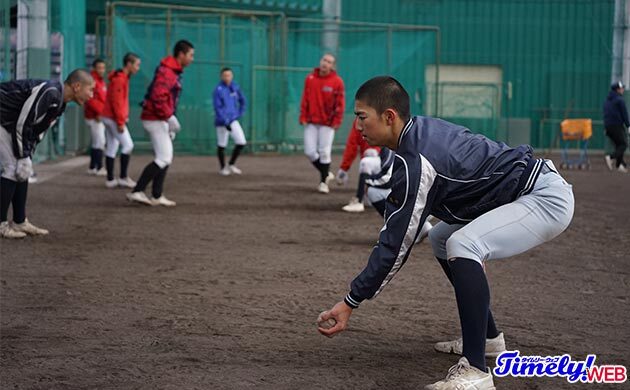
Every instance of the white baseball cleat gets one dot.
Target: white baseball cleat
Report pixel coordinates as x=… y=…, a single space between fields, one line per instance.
x=139 y=197
x=28 y=228
x=323 y=188
x=126 y=182
x=609 y=162
x=162 y=201
x=494 y=346
x=463 y=376
x=354 y=206
x=225 y=171
x=7 y=231
x=622 y=169
x=111 y=183
x=101 y=172
x=92 y=172
x=234 y=169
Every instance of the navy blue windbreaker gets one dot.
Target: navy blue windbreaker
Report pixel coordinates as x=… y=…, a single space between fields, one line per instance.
x=615 y=111
x=27 y=109
x=444 y=170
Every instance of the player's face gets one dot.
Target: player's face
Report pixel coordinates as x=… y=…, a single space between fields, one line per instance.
x=326 y=64
x=370 y=124
x=83 y=92
x=187 y=58
x=100 y=69
x=227 y=77
x=134 y=66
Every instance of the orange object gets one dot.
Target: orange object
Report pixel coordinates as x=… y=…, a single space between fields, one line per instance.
x=576 y=129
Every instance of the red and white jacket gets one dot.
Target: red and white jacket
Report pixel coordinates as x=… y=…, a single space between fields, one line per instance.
x=355 y=144
x=94 y=107
x=323 y=100
x=162 y=96
x=117 y=102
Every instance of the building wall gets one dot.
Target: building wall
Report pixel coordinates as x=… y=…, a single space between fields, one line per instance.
x=555 y=53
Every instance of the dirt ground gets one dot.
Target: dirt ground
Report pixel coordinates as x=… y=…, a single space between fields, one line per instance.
x=222 y=292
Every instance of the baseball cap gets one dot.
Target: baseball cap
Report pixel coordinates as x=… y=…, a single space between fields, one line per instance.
x=617 y=85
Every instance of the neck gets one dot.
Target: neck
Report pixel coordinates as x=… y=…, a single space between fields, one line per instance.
x=322 y=73
x=398 y=127
x=125 y=70
x=68 y=94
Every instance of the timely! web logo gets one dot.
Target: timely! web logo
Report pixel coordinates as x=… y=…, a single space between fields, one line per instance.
x=511 y=363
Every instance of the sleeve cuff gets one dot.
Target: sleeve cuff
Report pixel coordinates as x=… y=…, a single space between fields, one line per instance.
x=352 y=300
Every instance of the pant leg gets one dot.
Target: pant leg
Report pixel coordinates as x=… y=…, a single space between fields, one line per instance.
x=516 y=227
x=222 y=136
x=325 y=137
x=237 y=133
x=438 y=236
x=8 y=161
x=161 y=142
x=111 y=138
x=617 y=134
x=310 y=142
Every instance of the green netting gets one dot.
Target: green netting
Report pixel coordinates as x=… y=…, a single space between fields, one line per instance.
x=270 y=55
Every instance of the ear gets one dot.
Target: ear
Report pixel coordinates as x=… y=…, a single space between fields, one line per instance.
x=390 y=116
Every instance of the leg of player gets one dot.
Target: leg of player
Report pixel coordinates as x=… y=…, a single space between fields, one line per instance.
x=325 y=137
x=310 y=150
x=495 y=342
x=126 y=147
x=110 y=152
x=239 y=140
x=492 y=236
x=222 y=140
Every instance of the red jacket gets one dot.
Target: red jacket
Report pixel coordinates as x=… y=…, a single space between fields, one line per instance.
x=354 y=144
x=117 y=102
x=323 y=99
x=161 y=99
x=94 y=107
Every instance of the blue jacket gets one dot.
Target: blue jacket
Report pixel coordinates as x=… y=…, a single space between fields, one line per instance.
x=444 y=170
x=615 y=112
x=27 y=109
x=229 y=103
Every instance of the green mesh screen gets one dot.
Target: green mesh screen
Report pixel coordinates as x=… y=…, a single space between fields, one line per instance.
x=270 y=55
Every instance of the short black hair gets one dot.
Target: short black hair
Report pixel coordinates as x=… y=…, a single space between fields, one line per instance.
x=226 y=69
x=385 y=92
x=130 y=57
x=182 y=46
x=97 y=61
x=79 y=76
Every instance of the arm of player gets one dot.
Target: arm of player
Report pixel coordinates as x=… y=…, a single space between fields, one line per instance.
x=304 y=104
x=406 y=210
x=161 y=95
x=624 y=112
x=219 y=108
x=242 y=103
x=35 y=119
x=340 y=106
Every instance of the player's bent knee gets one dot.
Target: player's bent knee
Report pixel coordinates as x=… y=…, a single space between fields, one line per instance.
x=162 y=163
x=462 y=245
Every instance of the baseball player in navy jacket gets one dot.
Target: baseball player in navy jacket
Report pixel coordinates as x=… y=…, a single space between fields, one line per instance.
x=28 y=109
x=494 y=202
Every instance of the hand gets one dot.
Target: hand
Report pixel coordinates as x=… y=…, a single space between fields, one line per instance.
x=342 y=177
x=121 y=128
x=228 y=127
x=341 y=314
x=24 y=169
x=173 y=124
